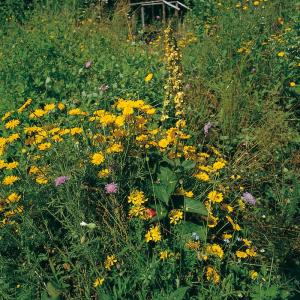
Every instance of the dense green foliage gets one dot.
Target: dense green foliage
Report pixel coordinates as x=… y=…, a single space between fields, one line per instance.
x=240 y=71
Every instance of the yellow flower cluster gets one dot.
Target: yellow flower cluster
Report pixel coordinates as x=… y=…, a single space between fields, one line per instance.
x=153 y=234
x=174 y=93
x=137 y=199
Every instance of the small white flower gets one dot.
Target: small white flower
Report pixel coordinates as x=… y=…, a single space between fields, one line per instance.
x=83 y=224
x=262 y=250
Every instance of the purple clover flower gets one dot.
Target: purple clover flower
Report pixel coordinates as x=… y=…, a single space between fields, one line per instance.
x=206 y=128
x=247 y=197
x=111 y=188
x=61 y=180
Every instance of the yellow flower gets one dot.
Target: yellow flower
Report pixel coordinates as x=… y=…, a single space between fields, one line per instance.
x=49 y=107
x=34 y=170
x=202 y=176
x=215 y=197
x=76 y=130
x=37 y=113
x=163 y=255
x=103 y=173
x=163 y=143
x=2 y=164
x=256 y=3
x=153 y=234
x=214 y=249
x=7 y=115
x=281 y=54
x=12 y=124
x=137 y=198
x=9 y=180
x=253 y=274
x=247 y=242
x=241 y=254
x=212 y=221
x=41 y=180
x=13 y=197
x=149 y=77
x=24 y=106
x=98 y=282
x=137 y=211
x=227 y=236
x=13 y=137
x=61 y=106
x=292 y=84
x=175 y=216
x=120 y=121
x=211 y=274
x=251 y=252
x=76 y=112
x=110 y=261
x=189 y=194
x=12 y=165
x=235 y=226
x=115 y=148
x=193 y=245
x=97 y=158
x=44 y=146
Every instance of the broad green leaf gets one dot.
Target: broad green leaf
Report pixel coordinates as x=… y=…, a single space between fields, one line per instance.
x=176 y=295
x=168 y=178
x=188 y=165
x=188 y=228
x=52 y=290
x=161 y=193
x=194 y=206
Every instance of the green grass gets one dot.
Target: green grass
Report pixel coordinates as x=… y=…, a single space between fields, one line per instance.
x=248 y=97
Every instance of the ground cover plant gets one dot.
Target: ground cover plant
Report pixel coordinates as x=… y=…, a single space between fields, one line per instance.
x=159 y=170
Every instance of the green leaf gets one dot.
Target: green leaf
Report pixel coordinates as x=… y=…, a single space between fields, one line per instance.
x=188 y=165
x=188 y=228
x=178 y=294
x=168 y=178
x=194 y=206
x=161 y=193
x=52 y=290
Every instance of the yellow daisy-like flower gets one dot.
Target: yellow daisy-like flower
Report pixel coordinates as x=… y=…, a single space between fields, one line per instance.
x=212 y=275
x=215 y=197
x=149 y=77
x=192 y=245
x=115 y=148
x=2 y=164
x=97 y=158
x=292 y=84
x=137 y=211
x=76 y=130
x=163 y=255
x=241 y=254
x=41 y=180
x=103 y=173
x=110 y=261
x=251 y=252
x=98 y=282
x=163 y=143
x=214 y=249
x=153 y=234
x=281 y=54
x=61 y=106
x=44 y=146
x=202 y=176
x=12 y=165
x=253 y=274
x=13 y=197
x=49 y=107
x=7 y=115
x=175 y=216
x=12 y=124
x=9 y=180
x=212 y=221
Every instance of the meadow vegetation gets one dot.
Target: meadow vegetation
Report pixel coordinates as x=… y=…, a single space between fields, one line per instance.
x=166 y=169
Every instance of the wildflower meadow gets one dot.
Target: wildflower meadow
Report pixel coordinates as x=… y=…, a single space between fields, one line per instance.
x=149 y=161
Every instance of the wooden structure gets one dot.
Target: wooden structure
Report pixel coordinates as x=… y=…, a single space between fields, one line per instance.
x=140 y=8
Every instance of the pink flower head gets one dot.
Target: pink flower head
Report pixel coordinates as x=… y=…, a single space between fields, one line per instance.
x=111 y=188
x=247 y=197
x=61 y=180
x=88 y=64
x=206 y=128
